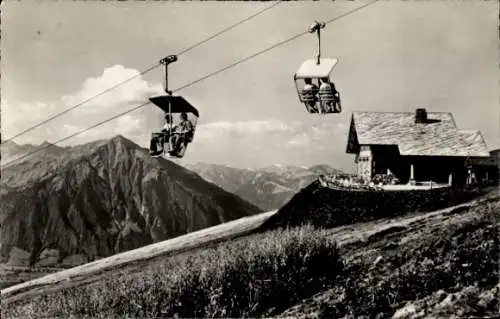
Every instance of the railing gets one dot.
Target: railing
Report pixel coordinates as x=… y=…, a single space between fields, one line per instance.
x=346 y=182
x=384 y=183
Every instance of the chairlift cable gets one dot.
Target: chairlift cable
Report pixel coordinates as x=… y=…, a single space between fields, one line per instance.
x=140 y=74
x=269 y=48
x=79 y=104
x=230 y=27
x=193 y=82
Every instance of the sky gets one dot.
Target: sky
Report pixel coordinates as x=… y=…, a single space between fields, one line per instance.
x=393 y=56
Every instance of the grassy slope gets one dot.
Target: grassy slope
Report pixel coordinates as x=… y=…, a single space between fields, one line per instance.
x=238 y=278
x=134 y=260
x=420 y=259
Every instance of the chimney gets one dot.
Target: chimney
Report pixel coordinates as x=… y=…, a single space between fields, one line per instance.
x=421 y=116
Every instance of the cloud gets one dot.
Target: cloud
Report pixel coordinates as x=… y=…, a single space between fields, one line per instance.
x=21 y=116
x=289 y=135
x=128 y=123
x=27 y=114
x=70 y=129
x=246 y=128
x=300 y=139
x=245 y=141
x=133 y=127
x=319 y=136
x=258 y=143
x=134 y=91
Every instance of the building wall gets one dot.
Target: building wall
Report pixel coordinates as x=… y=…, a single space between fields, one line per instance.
x=385 y=159
x=365 y=162
x=487 y=170
x=487 y=174
x=382 y=159
x=437 y=169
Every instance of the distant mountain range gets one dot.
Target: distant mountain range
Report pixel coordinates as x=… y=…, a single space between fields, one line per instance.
x=70 y=205
x=268 y=188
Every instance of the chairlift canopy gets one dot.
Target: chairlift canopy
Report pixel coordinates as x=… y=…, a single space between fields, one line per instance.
x=177 y=104
x=310 y=69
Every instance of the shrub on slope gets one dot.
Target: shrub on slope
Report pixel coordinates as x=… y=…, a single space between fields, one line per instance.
x=242 y=278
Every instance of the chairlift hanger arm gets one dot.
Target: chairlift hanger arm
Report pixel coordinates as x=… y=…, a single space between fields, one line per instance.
x=166 y=61
x=316 y=28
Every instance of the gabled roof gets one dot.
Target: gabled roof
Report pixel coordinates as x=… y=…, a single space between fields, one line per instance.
x=438 y=137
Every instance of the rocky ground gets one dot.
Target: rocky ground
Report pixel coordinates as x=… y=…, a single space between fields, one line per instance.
x=442 y=264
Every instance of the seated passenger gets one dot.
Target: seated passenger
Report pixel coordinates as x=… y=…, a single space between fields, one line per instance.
x=168 y=125
x=309 y=95
x=183 y=134
x=329 y=97
x=159 y=139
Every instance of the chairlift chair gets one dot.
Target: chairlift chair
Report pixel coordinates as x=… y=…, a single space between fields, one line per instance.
x=321 y=99
x=174 y=106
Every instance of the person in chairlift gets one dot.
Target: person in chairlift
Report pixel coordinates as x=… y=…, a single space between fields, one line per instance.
x=309 y=95
x=329 y=97
x=160 y=139
x=183 y=133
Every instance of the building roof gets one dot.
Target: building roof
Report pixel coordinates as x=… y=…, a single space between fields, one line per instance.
x=439 y=136
x=493 y=160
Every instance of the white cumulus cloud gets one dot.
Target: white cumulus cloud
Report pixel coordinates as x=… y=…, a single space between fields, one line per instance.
x=21 y=116
x=137 y=90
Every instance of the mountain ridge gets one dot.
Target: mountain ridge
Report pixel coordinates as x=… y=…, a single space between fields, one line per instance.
x=268 y=187
x=104 y=197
